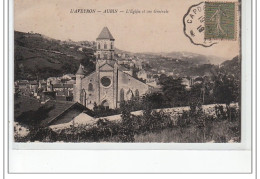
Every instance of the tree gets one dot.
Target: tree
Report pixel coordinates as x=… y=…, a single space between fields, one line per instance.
x=173 y=90
x=88 y=64
x=225 y=89
x=126 y=113
x=154 y=100
x=88 y=60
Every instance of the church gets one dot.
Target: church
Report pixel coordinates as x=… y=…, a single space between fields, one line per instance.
x=110 y=83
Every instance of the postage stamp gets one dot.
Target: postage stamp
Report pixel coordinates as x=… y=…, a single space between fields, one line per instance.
x=220 y=20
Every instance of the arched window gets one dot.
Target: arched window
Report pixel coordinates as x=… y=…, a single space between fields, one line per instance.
x=98 y=56
x=122 y=95
x=105 y=104
x=129 y=94
x=105 y=56
x=111 y=45
x=137 y=93
x=98 y=45
x=90 y=87
x=83 y=97
x=105 y=46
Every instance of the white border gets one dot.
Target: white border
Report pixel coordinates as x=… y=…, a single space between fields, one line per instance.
x=110 y=161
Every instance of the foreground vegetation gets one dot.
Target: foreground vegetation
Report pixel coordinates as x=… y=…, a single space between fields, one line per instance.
x=193 y=126
x=221 y=132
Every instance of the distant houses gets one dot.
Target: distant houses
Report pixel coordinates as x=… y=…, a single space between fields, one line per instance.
x=54 y=88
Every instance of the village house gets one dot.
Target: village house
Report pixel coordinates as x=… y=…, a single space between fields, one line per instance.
x=142 y=74
x=60 y=112
x=68 y=77
x=187 y=82
x=33 y=85
x=22 y=84
x=43 y=85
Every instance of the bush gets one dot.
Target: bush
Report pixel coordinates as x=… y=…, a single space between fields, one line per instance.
x=183 y=120
x=194 y=125
x=228 y=113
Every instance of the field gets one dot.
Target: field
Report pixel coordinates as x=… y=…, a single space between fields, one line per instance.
x=222 y=131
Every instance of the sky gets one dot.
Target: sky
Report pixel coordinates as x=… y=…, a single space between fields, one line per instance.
x=156 y=32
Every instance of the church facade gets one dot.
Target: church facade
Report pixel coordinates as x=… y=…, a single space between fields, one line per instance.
x=110 y=83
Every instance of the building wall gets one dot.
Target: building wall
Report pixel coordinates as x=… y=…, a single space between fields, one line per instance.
x=90 y=94
x=77 y=88
x=99 y=93
x=107 y=93
x=102 y=51
x=127 y=82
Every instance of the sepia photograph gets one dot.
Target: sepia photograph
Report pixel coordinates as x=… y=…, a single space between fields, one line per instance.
x=127 y=71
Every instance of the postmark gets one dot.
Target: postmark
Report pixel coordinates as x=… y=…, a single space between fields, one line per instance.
x=194 y=25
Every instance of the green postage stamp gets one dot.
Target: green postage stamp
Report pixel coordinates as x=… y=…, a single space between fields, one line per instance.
x=220 y=20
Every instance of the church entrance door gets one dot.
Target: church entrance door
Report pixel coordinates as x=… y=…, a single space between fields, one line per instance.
x=105 y=104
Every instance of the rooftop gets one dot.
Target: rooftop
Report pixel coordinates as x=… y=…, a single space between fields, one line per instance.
x=105 y=34
x=80 y=70
x=57 y=108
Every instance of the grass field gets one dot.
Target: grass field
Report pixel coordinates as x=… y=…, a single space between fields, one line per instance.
x=219 y=132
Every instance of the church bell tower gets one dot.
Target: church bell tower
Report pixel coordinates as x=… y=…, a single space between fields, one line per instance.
x=105 y=45
x=106 y=70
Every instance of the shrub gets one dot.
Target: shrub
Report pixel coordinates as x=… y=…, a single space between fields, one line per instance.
x=183 y=120
x=228 y=113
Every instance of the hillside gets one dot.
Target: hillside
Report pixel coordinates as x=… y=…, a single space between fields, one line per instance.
x=36 y=55
x=197 y=59
x=232 y=67
x=181 y=67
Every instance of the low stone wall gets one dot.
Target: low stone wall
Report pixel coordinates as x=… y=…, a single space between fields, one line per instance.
x=84 y=119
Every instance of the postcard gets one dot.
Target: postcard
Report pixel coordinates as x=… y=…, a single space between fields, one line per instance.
x=127 y=72
x=130 y=86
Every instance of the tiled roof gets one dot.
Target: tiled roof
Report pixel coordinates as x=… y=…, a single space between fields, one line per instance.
x=57 y=108
x=58 y=85
x=22 y=84
x=33 y=82
x=80 y=71
x=71 y=82
x=70 y=75
x=60 y=98
x=105 y=34
x=122 y=68
x=61 y=85
x=68 y=85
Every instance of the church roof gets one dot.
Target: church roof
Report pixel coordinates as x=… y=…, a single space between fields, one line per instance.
x=122 y=68
x=80 y=70
x=105 y=34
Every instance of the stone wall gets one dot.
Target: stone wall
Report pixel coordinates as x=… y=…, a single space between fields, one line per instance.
x=129 y=83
